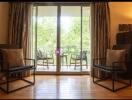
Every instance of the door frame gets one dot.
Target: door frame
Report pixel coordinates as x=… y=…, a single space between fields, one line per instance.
x=58 y=63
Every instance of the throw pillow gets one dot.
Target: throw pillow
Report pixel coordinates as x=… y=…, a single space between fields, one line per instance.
x=116 y=56
x=14 y=57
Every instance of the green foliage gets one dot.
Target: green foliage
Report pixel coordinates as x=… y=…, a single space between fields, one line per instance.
x=46 y=33
x=70 y=40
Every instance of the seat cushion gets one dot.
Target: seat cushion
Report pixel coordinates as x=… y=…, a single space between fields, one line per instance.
x=21 y=68
x=116 y=56
x=14 y=57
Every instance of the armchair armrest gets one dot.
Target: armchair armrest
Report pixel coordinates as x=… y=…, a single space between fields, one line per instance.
x=98 y=59
x=31 y=60
x=116 y=65
x=121 y=62
x=7 y=68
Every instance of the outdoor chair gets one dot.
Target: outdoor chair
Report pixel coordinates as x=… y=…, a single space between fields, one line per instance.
x=75 y=57
x=45 y=57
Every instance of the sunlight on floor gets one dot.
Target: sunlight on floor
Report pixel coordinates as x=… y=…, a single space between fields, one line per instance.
x=63 y=68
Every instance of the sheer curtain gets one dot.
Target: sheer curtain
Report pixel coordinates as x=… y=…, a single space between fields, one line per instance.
x=100 y=22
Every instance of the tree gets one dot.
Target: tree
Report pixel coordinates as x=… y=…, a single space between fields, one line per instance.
x=47 y=31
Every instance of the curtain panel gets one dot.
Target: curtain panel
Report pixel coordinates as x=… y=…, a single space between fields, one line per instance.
x=19 y=25
x=100 y=22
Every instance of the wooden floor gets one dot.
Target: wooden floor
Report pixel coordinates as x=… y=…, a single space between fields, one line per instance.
x=65 y=87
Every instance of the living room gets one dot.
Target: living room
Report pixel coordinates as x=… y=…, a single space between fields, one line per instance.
x=69 y=75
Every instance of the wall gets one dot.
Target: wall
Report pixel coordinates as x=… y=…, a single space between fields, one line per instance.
x=4 y=10
x=121 y=13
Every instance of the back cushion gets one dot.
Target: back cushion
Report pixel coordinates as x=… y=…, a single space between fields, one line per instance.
x=127 y=47
x=14 y=57
x=116 y=56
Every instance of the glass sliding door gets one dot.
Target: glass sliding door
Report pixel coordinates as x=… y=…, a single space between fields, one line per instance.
x=86 y=39
x=46 y=35
x=75 y=39
x=70 y=38
x=61 y=38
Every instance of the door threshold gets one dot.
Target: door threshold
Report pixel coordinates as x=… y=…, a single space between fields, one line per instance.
x=62 y=73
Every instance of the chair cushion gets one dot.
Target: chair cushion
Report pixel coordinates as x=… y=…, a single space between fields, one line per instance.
x=14 y=57
x=127 y=47
x=21 y=68
x=116 y=56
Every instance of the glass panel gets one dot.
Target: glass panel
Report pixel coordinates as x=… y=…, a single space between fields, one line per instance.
x=86 y=47
x=70 y=38
x=33 y=23
x=46 y=38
